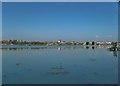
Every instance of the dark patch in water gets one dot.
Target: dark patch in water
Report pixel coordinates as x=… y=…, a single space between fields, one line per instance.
x=17 y=64
x=58 y=70
x=95 y=73
x=58 y=73
x=92 y=59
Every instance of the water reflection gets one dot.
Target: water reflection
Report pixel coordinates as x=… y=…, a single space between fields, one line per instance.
x=59 y=48
x=49 y=47
x=93 y=47
x=115 y=53
x=87 y=47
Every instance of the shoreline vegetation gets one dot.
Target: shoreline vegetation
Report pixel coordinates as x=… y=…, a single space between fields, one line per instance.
x=47 y=43
x=114 y=46
x=15 y=44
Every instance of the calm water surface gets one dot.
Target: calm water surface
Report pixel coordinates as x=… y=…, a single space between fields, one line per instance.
x=59 y=65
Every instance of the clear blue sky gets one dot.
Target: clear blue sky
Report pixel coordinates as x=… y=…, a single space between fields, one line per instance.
x=67 y=21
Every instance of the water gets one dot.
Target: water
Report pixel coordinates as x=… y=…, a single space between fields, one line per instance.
x=59 y=65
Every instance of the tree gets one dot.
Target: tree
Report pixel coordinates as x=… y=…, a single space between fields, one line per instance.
x=93 y=43
x=87 y=43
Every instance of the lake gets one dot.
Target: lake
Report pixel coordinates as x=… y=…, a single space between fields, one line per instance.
x=59 y=65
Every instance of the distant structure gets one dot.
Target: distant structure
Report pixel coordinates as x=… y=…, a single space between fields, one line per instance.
x=86 y=43
x=59 y=41
x=93 y=43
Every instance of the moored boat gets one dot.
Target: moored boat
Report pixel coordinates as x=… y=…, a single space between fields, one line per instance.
x=113 y=48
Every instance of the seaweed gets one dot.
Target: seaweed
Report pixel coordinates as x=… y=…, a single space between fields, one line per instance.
x=58 y=70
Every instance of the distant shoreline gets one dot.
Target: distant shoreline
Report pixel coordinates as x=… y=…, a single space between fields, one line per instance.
x=58 y=47
x=59 y=42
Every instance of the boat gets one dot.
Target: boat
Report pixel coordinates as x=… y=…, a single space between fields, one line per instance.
x=112 y=49
x=117 y=48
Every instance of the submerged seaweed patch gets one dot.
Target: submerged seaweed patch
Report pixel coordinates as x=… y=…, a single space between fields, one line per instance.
x=58 y=70
x=58 y=73
x=17 y=64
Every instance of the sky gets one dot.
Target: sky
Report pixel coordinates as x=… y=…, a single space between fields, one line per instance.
x=60 y=0
x=0 y=23
x=68 y=21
